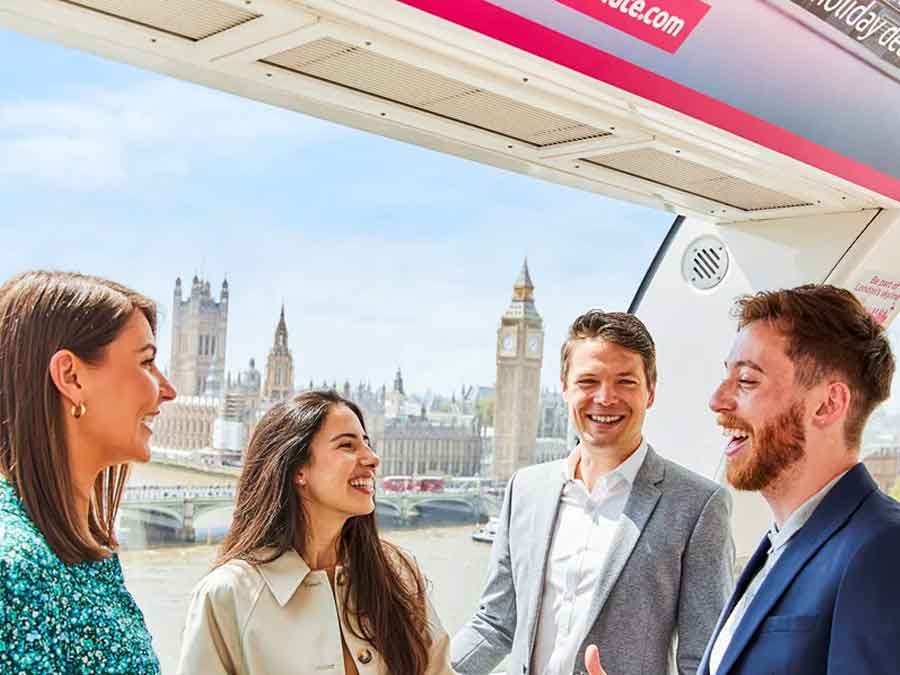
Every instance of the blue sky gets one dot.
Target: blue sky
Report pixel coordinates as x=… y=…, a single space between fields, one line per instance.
x=385 y=254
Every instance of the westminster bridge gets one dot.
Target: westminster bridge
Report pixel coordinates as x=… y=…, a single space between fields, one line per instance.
x=178 y=512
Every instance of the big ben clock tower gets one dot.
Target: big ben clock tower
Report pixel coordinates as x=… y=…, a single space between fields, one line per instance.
x=520 y=352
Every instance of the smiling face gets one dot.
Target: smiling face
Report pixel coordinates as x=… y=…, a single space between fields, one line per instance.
x=123 y=393
x=608 y=395
x=340 y=476
x=760 y=409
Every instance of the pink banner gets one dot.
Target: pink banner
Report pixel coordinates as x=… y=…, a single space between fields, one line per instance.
x=764 y=70
x=662 y=23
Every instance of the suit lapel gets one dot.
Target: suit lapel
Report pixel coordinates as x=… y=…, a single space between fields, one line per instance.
x=837 y=507
x=645 y=493
x=542 y=527
x=751 y=569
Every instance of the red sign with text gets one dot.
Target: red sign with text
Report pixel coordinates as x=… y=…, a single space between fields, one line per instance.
x=662 y=23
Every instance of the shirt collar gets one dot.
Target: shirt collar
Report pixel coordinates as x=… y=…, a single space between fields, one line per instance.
x=627 y=470
x=284 y=575
x=778 y=537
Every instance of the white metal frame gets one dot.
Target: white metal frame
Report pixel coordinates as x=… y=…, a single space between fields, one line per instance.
x=230 y=60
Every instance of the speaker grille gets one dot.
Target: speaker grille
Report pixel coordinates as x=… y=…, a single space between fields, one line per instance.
x=705 y=263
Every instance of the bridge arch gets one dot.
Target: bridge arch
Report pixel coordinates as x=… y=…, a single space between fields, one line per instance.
x=217 y=515
x=389 y=513
x=211 y=522
x=152 y=513
x=448 y=508
x=387 y=507
x=144 y=525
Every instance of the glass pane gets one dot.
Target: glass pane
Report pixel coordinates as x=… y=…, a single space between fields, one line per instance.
x=394 y=266
x=881 y=438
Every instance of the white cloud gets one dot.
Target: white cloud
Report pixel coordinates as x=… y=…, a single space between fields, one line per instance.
x=79 y=162
x=104 y=138
x=423 y=288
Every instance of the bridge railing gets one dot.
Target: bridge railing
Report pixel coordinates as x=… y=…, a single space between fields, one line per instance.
x=164 y=493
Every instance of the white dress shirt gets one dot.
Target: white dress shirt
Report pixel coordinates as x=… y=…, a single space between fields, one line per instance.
x=778 y=541
x=585 y=525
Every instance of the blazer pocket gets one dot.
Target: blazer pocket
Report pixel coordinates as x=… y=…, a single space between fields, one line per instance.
x=789 y=624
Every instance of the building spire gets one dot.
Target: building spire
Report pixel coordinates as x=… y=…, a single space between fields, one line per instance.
x=523 y=289
x=524 y=280
x=281 y=334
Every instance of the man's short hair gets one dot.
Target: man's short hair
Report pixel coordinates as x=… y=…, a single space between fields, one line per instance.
x=620 y=328
x=829 y=333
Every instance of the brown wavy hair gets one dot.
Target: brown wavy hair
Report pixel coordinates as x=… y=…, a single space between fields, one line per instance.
x=41 y=313
x=829 y=333
x=386 y=590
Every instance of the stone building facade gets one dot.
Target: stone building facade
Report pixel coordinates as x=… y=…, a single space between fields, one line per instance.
x=186 y=423
x=550 y=449
x=416 y=447
x=412 y=436
x=883 y=462
x=554 y=417
x=416 y=437
x=199 y=340
x=221 y=418
x=239 y=413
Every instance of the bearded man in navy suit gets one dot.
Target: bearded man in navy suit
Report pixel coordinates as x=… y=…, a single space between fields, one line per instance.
x=821 y=595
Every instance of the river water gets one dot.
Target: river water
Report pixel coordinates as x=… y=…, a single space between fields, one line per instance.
x=161 y=580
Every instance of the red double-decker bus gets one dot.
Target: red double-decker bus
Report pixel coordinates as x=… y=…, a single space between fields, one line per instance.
x=413 y=484
x=397 y=483
x=429 y=484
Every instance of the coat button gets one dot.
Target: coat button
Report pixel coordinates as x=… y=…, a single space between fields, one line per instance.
x=364 y=656
x=341 y=578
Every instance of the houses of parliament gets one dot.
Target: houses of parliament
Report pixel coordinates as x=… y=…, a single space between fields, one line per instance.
x=488 y=431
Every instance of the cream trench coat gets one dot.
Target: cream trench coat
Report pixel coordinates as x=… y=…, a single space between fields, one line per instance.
x=281 y=618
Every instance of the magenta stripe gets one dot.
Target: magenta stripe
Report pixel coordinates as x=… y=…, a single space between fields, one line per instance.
x=498 y=23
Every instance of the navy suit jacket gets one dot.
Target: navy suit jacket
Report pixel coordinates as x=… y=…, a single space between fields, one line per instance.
x=831 y=604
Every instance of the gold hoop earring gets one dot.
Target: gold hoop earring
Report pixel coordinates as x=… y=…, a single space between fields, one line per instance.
x=78 y=410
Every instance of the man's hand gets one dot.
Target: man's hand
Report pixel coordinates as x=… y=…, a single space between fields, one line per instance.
x=592 y=661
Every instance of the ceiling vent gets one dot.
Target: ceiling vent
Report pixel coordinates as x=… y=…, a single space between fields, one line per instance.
x=191 y=19
x=705 y=263
x=366 y=71
x=665 y=169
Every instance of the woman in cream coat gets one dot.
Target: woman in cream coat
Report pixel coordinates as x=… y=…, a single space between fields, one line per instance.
x=304 y=585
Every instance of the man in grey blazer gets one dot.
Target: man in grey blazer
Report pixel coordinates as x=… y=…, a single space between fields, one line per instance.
x=613 y=546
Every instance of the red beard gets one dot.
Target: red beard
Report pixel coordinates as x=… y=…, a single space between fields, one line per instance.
x=773 y=449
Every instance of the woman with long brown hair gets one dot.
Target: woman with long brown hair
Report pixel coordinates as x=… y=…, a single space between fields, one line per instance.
x=79 y=389
x=304 y=585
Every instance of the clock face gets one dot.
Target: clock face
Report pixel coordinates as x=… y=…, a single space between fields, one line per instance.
x=534 y=344
x=508 y=343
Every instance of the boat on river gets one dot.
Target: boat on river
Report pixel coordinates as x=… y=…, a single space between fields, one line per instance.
x=487 y=532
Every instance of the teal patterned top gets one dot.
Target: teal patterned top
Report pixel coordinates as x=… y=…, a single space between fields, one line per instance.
x=63 y=619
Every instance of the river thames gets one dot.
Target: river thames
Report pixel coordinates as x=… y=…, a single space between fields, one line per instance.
x=161 y=580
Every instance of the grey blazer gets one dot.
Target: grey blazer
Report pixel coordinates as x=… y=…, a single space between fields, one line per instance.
x=669 y=573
